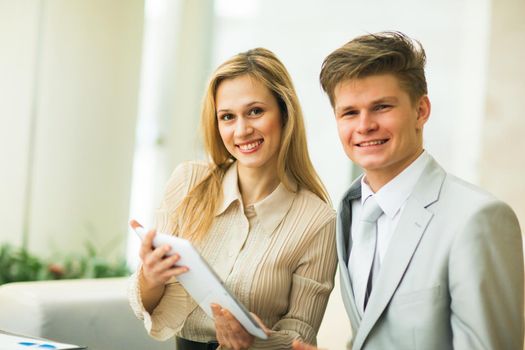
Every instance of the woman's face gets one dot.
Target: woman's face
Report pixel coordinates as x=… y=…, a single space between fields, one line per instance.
x=249 y=121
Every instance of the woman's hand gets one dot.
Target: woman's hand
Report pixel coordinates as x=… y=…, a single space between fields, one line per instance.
x=230 y=333
x=157 y=268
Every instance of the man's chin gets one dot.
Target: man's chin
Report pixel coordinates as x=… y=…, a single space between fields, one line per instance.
x=368 y=164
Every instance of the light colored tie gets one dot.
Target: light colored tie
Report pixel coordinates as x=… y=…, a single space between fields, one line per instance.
x=363 y=251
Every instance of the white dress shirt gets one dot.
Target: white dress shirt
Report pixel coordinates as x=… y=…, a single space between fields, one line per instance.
x=392 y=198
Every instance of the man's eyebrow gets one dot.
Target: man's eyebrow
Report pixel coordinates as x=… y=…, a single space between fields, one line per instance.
x=390 y=99
x=384 y=99
x=343 y=109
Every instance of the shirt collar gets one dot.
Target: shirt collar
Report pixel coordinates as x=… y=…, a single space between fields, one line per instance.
x=394 y=194
x=230 y=189
x=270 y=210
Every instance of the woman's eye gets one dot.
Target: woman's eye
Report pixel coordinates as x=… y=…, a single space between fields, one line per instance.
x=226 y=117
x=255 y=111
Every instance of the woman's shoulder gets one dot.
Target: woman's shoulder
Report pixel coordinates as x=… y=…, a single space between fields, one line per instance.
x=311 y=217
x=184 y=177
x=189 y=173
x=192 y=167
x=311 y=203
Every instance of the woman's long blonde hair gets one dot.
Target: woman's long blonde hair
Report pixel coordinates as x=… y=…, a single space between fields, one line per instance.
x=196 y=212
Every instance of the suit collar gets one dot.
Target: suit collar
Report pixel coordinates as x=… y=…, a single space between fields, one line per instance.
x=354 y=192
x=412 y=224
x=345 y=215
x=393 y=195
x=344 y=219
x=428 y=187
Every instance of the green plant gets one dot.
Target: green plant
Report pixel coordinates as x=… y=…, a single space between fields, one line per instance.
x=17 y=264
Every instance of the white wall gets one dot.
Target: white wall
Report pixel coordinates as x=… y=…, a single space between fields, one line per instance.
x=502 y=161
x=18 y=45
x=84 y=76
x=176 y=61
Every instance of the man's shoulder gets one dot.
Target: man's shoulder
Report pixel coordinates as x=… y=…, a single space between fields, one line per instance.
x=456 y=187
x=460 y=201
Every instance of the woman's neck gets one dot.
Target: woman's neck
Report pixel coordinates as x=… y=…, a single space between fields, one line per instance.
x=256 y=184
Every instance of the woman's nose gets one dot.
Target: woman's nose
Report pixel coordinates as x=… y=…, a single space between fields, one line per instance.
x=243 y=127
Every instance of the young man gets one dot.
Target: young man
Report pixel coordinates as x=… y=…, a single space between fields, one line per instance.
x=438 y=264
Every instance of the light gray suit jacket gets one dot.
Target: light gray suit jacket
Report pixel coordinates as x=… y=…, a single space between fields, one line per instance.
x=452 y=277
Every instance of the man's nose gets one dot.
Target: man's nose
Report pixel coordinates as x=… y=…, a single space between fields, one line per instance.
x=367 y=123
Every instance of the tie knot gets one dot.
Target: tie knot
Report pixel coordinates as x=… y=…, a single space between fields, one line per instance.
x=371 y=210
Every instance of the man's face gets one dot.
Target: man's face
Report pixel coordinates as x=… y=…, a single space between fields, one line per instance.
x=379 y=126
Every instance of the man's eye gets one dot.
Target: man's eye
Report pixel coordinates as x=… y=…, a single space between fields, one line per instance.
x=382 y=107
x=349 y=113
x=255 y=111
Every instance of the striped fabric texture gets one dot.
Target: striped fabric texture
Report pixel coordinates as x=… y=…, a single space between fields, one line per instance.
x=278 y=257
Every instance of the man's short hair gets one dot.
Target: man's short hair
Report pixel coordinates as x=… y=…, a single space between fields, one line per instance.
x=373 y=54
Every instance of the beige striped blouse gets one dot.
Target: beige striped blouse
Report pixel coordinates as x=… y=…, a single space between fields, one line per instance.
x=277 y=256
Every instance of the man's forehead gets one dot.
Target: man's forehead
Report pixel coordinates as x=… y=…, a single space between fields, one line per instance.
x=369 y=89
x=379 y=79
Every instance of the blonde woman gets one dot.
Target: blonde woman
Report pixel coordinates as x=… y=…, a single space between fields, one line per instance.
x=257 y=212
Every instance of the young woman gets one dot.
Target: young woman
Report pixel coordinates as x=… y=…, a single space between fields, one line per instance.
x=257 y=212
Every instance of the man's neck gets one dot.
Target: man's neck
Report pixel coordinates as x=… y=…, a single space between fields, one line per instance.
x=377 y=179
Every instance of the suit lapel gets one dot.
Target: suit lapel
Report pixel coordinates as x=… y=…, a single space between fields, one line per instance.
x=405 y=239
x=402 y=246
x=344 y=220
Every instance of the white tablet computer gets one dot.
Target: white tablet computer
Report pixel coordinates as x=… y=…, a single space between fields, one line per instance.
x=202 y=283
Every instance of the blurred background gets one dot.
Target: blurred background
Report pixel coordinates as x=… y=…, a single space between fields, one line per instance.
x=100 y=99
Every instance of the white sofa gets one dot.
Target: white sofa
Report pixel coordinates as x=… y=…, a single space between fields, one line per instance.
x=94 y=313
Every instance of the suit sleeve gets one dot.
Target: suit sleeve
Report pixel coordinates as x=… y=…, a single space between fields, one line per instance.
x=486 y=281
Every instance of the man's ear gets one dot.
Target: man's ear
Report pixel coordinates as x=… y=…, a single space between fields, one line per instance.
x=423 y=111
